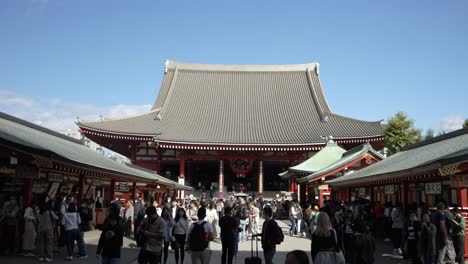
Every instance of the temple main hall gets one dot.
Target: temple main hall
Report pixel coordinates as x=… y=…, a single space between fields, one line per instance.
x=233 y=128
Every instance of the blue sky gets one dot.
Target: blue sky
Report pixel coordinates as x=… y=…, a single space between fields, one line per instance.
x=62 y=59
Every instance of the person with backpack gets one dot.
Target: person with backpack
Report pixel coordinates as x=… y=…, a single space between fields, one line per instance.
x=45 y=231
x=228 y=225
x=244 y=219
x=111 y=239
x=199 y=237
x=271 y=235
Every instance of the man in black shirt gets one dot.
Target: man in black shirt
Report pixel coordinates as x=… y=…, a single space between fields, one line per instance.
x=228 y=225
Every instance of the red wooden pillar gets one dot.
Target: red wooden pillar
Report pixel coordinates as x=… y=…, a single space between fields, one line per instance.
x=134 y=192
x=405 y=194
x=260 y=178
x=27 y=192
x=81 y=183
x=221 y=180
x=349 y=194
x=112 y=191
x=320 y=198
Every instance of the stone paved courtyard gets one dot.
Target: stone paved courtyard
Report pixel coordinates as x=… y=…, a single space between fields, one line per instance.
x=130 y=252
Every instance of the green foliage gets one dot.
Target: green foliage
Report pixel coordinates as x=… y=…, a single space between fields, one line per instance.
x=465 y=123
x=429 y=134
x=400 y=132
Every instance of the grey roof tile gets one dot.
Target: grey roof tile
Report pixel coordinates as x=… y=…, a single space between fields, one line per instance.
x=418 y=155
x=23 y=133
x=240 y=104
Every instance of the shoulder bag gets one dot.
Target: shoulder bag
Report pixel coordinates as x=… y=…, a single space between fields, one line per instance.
x=339 y=257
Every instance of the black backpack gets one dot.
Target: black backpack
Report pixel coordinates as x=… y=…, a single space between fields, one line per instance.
x=278 y=237
x=244 y=214
x=198 y=240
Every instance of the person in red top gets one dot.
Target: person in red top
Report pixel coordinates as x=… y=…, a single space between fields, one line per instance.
x=379 y=210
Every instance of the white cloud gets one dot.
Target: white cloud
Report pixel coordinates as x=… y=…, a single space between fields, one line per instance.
x=449 y=123
x=9 y=98
x=60 y=115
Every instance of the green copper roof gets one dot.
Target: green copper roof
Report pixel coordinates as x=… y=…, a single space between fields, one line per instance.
x=346 y=158
x=420 y=157
x=329 y=154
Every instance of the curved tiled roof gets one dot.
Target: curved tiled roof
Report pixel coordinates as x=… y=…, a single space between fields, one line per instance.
x=427 y=155
x=240 y=105
x=60 y=147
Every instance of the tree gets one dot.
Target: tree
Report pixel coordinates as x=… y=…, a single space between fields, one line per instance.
x=465 y=123
x=400 y=132
x=429 y=134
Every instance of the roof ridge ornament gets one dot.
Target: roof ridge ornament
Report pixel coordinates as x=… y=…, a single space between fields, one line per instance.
x=166 y=65
x=317 y=68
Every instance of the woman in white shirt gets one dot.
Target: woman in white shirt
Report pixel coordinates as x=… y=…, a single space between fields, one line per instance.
x=179 y=234
x=71 y=221
x=29 y=237
x=212 y=218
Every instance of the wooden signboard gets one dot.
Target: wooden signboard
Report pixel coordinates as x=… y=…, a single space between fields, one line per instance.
x=433 y=188
x=389 y=189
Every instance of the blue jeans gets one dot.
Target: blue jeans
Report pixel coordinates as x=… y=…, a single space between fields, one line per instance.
x=81 y=244
x=110 y=260
x=243 y=224
x=292 y=230
x=236 y=243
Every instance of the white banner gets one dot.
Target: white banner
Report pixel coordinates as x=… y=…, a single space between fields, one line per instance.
x=433 y=188
x=389 y=189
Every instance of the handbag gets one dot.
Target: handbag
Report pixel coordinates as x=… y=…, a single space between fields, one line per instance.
x=141 y=238
x=174 y=244
x=338 y=254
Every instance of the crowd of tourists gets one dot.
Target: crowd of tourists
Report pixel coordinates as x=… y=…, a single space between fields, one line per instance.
x=339 y=232
x=44 y=225
x=344 y=232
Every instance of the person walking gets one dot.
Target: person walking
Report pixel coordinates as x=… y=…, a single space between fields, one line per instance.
x=244 y=219
x=324 y=244
x=293 y=218
x=254 y=219
x=111 y=239
x=397 y=229
x=153 y=230
x=167 y=216
x=212 y=218
x=86 y=216
x=458 y=234
x=29 y=235
x=412 y=238
x=363 y=245
x=442 y=238
x=271 y=235
x=199 y=237
x=9 y=214
x=128 y=216
x=45 y=230
x=71 y=221
x=228 y=225
x=428 y=238
x=347 y=232
x=179 y=234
